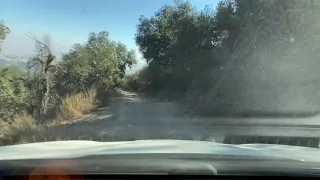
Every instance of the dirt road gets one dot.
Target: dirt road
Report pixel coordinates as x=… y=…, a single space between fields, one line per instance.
x=137 y=117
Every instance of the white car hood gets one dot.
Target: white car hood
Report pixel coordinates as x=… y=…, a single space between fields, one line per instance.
x=73 y=149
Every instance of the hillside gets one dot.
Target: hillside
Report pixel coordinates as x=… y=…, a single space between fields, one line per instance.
x=7 y=60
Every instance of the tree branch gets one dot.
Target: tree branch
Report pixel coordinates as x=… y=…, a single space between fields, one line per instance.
x=38 y=59
x=57 y=67
x=35 y=39
x=31 y=64
x=50 y=58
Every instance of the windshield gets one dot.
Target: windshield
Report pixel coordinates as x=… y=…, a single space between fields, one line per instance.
x=224 y=71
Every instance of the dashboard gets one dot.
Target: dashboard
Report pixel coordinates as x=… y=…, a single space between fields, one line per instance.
x=116 y=167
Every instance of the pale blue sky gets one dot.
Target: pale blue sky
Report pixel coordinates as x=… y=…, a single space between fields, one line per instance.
x=70 y=21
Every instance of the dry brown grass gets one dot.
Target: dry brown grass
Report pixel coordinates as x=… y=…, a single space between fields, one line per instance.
x=19 y=123
x=25 y=129
x=73 y=108
x=21 y=126
x=77 y=105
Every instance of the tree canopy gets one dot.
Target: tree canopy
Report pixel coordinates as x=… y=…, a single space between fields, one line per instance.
x=13 y=93
x=100 y=62
x=187 y=52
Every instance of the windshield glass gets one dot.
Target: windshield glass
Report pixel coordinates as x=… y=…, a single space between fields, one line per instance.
x=225 y=71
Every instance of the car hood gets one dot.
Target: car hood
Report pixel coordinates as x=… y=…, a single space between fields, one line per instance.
x=74 y=149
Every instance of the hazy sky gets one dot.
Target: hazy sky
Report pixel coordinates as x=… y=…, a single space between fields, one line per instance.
x=70 y=21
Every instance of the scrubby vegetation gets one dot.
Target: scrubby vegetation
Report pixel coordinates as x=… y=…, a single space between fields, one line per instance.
x=197 y=56
x=50 y=92
x=213 y=58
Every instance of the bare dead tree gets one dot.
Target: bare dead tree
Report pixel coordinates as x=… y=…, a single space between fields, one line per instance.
x=44 y=69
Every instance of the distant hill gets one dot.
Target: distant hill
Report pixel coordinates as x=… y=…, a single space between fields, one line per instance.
x=21 y=61
x=8 y=60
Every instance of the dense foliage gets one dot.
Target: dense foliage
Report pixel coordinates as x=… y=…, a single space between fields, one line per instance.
x=188 y=52
x=13 y=93
x=100 y=63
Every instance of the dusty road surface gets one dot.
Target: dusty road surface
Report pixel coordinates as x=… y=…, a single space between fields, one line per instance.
x=138 y=117
x=135 y=117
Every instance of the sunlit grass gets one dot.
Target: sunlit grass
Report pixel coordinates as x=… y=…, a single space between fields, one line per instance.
x=77 y=105
x=72 y=109
x=25 y=129
x=21 y=127
x=21 y=122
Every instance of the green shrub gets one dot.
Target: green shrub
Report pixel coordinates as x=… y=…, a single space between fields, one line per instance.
x=12 y=93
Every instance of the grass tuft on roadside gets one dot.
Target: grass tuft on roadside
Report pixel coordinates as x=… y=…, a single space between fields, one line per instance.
x=21 y=127
x=77 y=105
x=22 y=122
